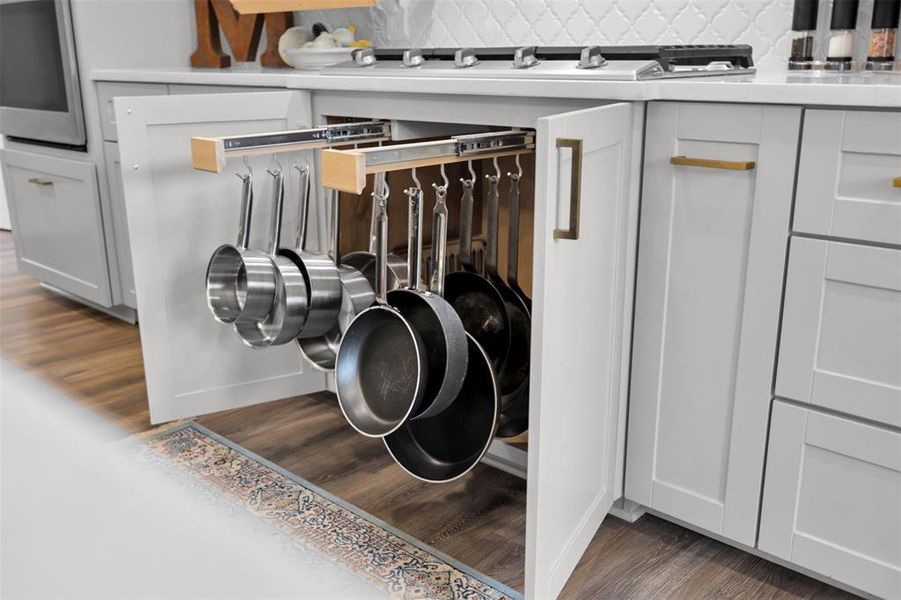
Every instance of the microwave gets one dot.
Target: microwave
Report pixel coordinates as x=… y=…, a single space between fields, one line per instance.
x=40 y=94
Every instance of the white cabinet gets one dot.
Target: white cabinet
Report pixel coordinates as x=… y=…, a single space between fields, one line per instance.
x=710 y=270
x=850 y=162
x=57 y=222
x=832 y=499
x=120 y=223
x=841 y=330
x=176 y=218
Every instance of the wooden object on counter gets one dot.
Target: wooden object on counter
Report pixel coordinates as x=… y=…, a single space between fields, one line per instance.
x=243 y=32
x=246 y=7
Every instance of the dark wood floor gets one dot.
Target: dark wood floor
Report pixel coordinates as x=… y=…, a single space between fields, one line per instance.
x=480 y=520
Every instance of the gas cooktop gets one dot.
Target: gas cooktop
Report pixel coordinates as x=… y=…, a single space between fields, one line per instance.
x=631 y=63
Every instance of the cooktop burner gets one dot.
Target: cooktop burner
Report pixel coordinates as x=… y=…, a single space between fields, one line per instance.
x=552 y=62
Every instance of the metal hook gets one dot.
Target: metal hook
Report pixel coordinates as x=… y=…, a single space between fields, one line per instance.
x=278 y=163
x=497 y=169
x=518 y=174
x=472 y=173
x=305 y=164
x=443 y=177
x=416 y=179
x=249 y=174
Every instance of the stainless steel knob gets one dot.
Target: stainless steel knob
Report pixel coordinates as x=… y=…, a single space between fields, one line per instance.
x=363 y=57
x=465 y=57
x=413 y=57
x=525 y=57
x=591 y=58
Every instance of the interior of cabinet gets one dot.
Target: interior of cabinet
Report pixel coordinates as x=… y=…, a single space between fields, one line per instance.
x=356 y=211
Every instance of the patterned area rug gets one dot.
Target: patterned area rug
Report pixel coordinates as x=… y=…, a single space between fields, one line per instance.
x=343 y=534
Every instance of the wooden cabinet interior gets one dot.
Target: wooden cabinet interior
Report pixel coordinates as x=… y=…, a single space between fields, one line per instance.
x=355 y=212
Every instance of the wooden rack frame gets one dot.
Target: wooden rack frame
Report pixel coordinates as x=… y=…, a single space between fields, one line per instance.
x=346 y=170
x=210 y=153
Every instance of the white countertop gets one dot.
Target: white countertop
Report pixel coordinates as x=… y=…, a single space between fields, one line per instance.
x=803 y=88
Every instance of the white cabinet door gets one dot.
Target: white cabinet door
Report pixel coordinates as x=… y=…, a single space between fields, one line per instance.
x=582 y=294
x=120 y=223
x=711 y=259
x=176 y=218
x=832 y=498
x=54 y=204
x=841 y=329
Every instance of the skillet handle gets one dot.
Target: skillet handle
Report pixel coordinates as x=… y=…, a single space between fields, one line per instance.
x=513 y=237
x=380 y=243
x=414 y=246
x=465 y=257
x=493 y=209
x=439 y=241
x=575 y=189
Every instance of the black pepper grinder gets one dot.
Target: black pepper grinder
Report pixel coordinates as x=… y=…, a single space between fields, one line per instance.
x=804 y=25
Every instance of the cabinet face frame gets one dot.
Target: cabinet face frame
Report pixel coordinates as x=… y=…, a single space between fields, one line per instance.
x=723 y=427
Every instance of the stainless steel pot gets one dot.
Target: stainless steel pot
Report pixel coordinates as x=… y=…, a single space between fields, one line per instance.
x=240 y=281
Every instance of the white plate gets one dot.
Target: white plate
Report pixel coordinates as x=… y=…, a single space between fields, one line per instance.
x=312 y=59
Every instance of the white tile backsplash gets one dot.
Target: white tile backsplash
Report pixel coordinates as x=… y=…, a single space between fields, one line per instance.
x=764 y=24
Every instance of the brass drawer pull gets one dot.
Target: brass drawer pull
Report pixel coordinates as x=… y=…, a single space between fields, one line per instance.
x=41 y=182
x=575 y=191
x=896 y=182
x=731 y=165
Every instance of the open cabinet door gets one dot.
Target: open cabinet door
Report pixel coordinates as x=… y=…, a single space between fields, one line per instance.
x=585 y=228
x=177 y=217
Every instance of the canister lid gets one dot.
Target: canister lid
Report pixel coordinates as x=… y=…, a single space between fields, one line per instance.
x=844 y=14
x=805 y=15
x=885 y=14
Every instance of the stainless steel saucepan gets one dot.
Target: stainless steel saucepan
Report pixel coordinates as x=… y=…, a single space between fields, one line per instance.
x=240 y=281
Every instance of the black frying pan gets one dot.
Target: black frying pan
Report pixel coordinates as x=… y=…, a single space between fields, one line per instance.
x=514 y=417
x=474 y=297
x=445 y=447
x=381 y=368
x=434 y=320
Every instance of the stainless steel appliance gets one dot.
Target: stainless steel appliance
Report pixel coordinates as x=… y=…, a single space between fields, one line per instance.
x=40 y=96
x=629 y=63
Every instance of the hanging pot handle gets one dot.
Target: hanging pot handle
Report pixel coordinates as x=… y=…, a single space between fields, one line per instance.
x=278 y=201
x=493 y=209
x=380 y=214
x=246 y=210
x=513 y=238
x=414 y=231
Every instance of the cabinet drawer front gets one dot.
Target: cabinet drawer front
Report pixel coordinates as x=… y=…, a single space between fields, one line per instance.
x=109 y=90
x=832 y=498
x=848 y=176
x=55 y=209
x=841 y=329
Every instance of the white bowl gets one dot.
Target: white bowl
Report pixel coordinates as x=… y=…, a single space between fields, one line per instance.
x=312 y=59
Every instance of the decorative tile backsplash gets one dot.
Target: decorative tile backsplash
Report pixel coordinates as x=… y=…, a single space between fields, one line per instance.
x=764 y=24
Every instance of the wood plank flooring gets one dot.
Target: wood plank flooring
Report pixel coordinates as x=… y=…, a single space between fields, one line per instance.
x=480 y=520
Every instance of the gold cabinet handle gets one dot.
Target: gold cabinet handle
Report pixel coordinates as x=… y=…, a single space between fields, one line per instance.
x=710 y=163
x=575 y=191
x=41 y=182
x=896 y=182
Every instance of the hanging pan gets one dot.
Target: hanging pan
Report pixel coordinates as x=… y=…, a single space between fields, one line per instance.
x=356 y=296
x=474 y=297
x=381 y=369
x=240 y=281
x=438 y=325
x=514 y=375
x=364 y=260
x=291 y=306
x=447 y=446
